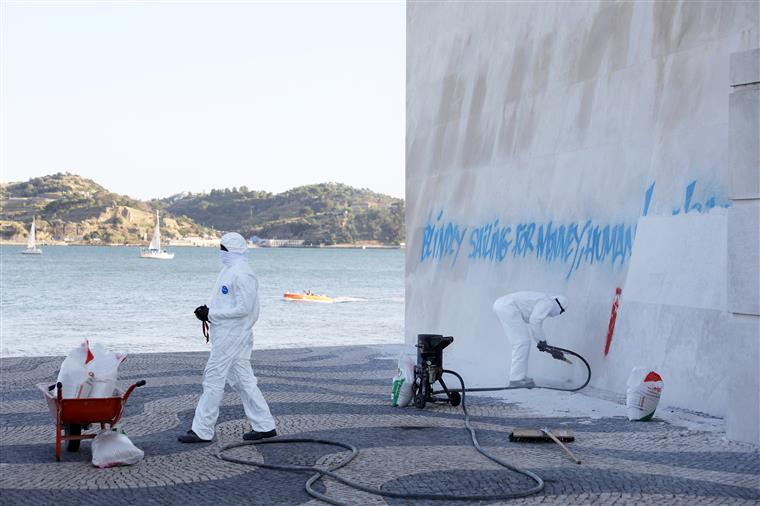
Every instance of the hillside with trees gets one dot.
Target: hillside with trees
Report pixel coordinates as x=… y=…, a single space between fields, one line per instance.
x=70 y=208
x=327 y=213
x=74 y=209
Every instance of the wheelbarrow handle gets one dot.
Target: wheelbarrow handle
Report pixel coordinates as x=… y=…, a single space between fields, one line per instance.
x=129 y=390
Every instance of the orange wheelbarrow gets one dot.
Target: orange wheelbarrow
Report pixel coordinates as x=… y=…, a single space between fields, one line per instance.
x=74 y=415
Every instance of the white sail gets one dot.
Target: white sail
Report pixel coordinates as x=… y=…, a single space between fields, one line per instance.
x=155 y=243
x=31 y=242
x=154 y=248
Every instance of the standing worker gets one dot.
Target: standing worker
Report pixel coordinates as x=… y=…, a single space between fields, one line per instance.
x=231 y=313
x=522 y=315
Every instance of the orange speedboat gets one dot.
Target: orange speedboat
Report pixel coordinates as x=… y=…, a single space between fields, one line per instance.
x=307 y=297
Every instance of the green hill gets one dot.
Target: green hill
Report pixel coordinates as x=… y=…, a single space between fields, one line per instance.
x=74 y=209
x=327 y=213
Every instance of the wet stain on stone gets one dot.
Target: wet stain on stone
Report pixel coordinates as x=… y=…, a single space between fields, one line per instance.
x=607 y=37
x=520 y=61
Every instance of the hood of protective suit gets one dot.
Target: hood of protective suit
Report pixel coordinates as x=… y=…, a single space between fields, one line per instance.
x=556 y=311
x=236 y=249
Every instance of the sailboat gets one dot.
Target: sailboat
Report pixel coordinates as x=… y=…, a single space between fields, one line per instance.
x=31 y=242
x=154 y=248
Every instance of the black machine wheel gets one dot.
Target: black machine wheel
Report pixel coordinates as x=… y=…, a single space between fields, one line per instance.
x=419 y=401
x=72 y=445
x=455 y=399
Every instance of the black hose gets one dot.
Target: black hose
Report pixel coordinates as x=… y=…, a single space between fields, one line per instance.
x=548 y=349
x=330 y=471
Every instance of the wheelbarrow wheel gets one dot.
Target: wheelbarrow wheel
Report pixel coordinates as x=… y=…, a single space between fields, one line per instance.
x=455 y=399
x=72 y=445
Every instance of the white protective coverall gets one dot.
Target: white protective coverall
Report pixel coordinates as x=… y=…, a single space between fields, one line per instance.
x=522 y=315
x=233 y=309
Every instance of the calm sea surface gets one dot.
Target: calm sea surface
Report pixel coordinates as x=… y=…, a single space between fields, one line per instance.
x=109 y=295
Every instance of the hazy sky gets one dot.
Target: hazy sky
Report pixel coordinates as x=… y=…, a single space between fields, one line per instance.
x=153 y=98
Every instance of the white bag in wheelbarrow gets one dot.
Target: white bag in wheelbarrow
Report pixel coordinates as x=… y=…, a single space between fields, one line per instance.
x=73 y=373
x=89 y=371
x=111 y=448
x=644 y=390
x=401 y=391
x=103 y=370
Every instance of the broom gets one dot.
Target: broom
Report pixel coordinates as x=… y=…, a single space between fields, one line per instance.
x=545 y=435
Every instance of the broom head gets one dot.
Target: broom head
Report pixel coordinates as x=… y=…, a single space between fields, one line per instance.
x=538 y=436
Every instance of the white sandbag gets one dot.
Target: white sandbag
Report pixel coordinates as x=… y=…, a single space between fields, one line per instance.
x=401 y=389
x=92 y=387
x=89 y=371
x=73 y=371
x=643 y=395
x=111 y=448
x=103 y=370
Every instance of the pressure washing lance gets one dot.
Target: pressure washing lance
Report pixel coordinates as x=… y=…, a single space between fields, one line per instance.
x=428 y=371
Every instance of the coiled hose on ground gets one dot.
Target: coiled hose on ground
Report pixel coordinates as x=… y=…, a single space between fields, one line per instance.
x=319 y=473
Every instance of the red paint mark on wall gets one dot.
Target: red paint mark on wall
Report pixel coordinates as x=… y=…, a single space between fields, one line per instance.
x=613 y=318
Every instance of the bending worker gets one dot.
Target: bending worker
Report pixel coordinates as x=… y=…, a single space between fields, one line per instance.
x=522 y=315
x=231 y=313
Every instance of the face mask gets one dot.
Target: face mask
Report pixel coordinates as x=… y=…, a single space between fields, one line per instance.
x=229 y=259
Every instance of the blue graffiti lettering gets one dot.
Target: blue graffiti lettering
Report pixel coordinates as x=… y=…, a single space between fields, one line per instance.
x=441 y=240
x=574 y=244
x=490 y=241
x=689 y=202
x=648 y=199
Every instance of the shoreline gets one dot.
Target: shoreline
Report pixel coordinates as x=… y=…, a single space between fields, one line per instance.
x=382 y=347
x=332 y=246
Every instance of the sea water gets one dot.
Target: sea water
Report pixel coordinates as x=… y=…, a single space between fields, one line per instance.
x=52 y=302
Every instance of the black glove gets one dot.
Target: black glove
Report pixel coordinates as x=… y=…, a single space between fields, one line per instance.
x=554 y=352
x=201 y=312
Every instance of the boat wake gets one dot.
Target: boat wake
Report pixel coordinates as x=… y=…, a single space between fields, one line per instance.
x=349 y=299
x=360 y=299
x=343 y=300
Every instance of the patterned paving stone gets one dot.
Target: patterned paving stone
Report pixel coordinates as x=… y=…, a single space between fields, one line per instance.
x=342 y=394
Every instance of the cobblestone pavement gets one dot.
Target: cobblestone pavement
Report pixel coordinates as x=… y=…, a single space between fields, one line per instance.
x=343 y=394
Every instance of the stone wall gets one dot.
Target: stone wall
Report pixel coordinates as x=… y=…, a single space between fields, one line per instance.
x=585 y=148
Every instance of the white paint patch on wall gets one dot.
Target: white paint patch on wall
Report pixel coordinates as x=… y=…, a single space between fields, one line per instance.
x=679 y=261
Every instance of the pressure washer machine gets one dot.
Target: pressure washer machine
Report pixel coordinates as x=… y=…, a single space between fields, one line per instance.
x=429 y=370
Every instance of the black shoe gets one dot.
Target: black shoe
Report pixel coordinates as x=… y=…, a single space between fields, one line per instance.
x=191 y=437
x=255 y=436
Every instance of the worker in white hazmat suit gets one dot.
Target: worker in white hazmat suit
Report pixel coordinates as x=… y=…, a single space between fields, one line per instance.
x=522 y=315
x=231 y=313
